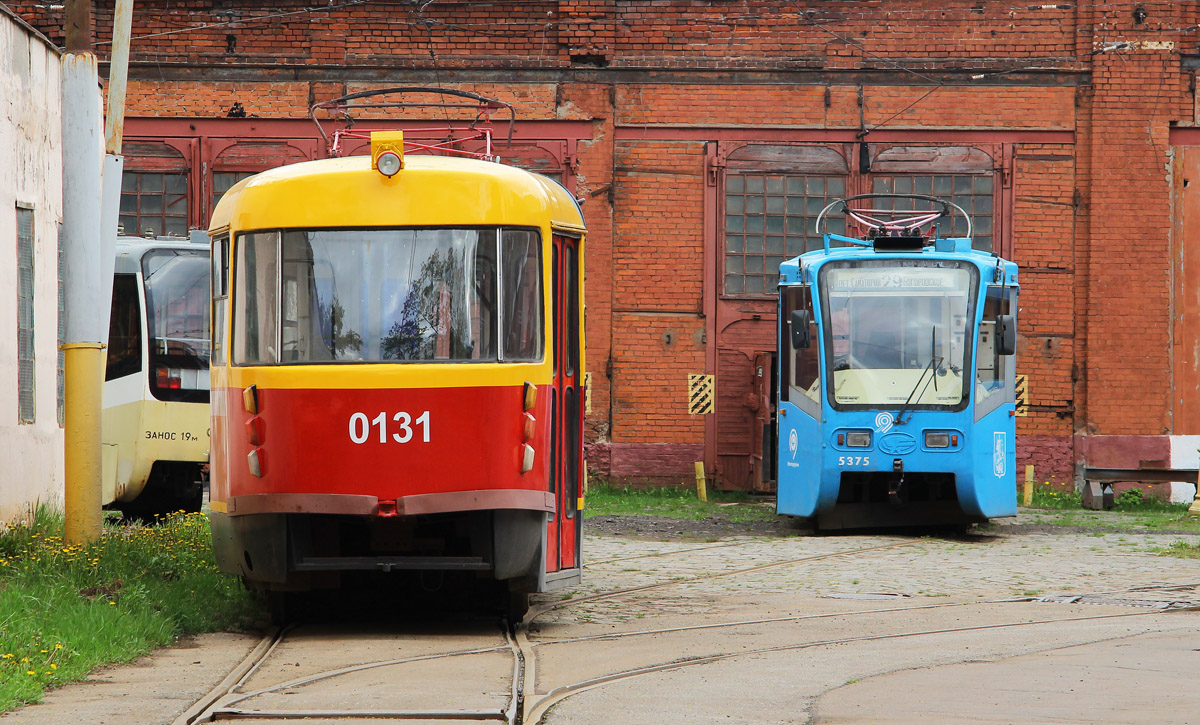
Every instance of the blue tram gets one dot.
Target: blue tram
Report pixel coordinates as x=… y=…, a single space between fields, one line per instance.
x=897 y=373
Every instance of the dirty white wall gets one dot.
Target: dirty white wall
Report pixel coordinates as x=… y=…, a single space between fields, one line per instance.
x=31 y=455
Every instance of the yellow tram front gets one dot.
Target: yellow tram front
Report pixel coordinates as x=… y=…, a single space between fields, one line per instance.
x=396 y=371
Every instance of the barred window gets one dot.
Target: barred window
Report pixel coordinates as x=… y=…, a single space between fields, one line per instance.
x=154 y=204
x=973 y=192
x=26 y=403
x=770 y=218
x=223 y=181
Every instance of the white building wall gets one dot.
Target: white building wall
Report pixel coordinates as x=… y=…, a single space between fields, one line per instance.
x=31 y=455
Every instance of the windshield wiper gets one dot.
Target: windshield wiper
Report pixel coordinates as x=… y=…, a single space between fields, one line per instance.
x=934 y=362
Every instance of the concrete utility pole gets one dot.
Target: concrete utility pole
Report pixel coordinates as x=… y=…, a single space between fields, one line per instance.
x=81 y=234
x=114 y=163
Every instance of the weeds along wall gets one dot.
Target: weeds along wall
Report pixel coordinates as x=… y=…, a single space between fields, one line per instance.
x=701 y=135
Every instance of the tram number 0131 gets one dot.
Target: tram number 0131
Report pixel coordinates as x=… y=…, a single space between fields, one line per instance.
x=400 y=426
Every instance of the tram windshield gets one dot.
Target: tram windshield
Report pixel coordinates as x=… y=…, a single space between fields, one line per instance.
x=389 y=295
x=897 y=332
x=177 y=300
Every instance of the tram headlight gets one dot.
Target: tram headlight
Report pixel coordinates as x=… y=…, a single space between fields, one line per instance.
x=858 y=439
x=934 y=439
x=388 y=163
x=527 y=455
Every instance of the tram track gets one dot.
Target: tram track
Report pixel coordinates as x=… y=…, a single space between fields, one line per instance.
x=537 y=709
x=538 y=610
x=225 y=701
x=228 y=700
x=232 y=698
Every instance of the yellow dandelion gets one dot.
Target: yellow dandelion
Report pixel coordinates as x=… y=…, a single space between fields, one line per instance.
x=58 y=646
x=53 y=667
x=30 y=672
x=45 y=651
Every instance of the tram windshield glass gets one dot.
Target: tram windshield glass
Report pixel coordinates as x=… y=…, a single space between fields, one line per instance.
x=897 y=332
x=389 y=295
x=177 y=301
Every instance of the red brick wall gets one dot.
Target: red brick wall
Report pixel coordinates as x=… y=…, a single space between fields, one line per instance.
x=1090 y=216
x=658 y=253
x=1136 y=94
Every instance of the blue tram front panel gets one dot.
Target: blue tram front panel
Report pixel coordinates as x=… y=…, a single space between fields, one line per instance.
x=896 y=385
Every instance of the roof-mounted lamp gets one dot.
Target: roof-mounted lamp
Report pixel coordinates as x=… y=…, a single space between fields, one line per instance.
x=387 y=152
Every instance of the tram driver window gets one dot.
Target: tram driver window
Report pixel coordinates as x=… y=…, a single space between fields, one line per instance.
x=255 y=332
x=382 y=295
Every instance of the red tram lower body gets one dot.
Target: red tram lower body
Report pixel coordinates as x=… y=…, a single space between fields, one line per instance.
x=311 y=483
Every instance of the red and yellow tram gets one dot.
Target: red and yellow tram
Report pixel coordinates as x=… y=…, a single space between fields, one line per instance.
x=397 y=368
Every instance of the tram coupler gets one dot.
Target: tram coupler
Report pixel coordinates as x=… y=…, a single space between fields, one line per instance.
x=896 y=481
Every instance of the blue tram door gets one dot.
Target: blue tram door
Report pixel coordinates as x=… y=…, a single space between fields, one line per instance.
x=798 y=420
x=566 y=404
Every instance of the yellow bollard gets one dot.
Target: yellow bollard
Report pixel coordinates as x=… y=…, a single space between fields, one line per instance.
x=84 y=379
x=1028 y=485
x=701 y=488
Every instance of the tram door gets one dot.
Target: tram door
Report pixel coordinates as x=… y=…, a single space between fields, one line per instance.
x=566 y=404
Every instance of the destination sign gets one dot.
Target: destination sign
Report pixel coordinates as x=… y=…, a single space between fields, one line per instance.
x=904 y=278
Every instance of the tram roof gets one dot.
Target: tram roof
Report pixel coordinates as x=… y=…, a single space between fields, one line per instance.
x=129 y=250
x=945 y=249
x=428 y=191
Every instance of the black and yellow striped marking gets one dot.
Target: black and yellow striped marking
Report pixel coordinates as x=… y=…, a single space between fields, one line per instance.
x=1022 y=395
x=700 y=394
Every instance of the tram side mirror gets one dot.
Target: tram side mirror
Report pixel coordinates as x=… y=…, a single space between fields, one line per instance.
x=1006 y=335
x=801 y=337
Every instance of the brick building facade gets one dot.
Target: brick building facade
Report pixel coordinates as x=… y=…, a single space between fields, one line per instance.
x=704 y=135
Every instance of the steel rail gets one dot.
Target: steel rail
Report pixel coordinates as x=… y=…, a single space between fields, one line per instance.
x=538 y=610
x=221 y=702
x=536 y=711
x=665 y=553
x=1172 y=604
x=529 y=680
x=237 y=675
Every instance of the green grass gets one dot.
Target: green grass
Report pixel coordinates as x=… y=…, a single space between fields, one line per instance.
x=1139 y=510
x=1045 y=497
x=1181 y=549
x=1166 y=518
x=65 y=609
x=677 y=503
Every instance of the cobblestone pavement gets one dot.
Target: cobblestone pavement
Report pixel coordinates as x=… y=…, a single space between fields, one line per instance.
x=989 y=566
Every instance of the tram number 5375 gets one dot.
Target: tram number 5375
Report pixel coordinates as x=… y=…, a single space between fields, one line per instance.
x=401 y=427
